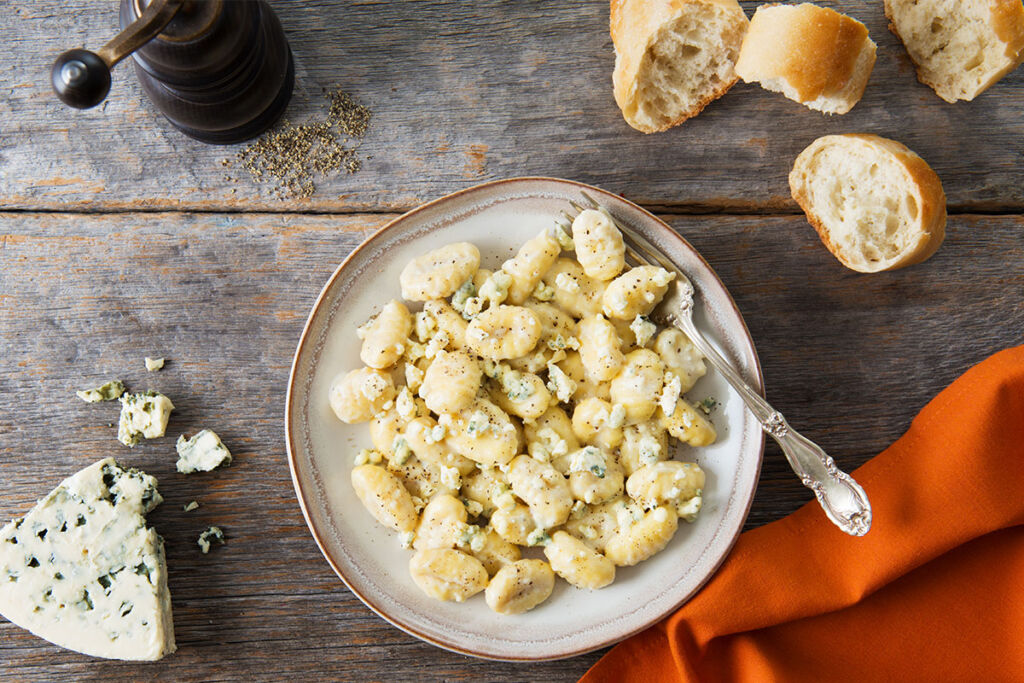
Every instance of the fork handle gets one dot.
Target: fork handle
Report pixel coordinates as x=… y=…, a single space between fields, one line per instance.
x=842 y=498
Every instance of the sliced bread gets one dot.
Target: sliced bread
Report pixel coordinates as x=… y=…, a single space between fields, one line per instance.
x=812 y=55
x=875 y=204
x=673 y=57
x=960 y=47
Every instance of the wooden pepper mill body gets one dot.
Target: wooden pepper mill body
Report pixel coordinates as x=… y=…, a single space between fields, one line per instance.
x=221 y=71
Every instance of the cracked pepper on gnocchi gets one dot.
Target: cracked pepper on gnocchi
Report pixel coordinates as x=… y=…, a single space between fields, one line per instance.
x=527 y=407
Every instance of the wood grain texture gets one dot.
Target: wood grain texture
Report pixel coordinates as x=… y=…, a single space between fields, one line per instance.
x=469 y=91
x=848 y=358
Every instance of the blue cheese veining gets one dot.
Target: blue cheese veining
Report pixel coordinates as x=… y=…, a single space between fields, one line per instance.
x=106 y=392
x=143 y=416
x=212 y=535
x=202 y=453
x=82 y=571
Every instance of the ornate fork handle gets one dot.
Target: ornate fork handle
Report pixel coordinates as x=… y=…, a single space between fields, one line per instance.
x=842 y=498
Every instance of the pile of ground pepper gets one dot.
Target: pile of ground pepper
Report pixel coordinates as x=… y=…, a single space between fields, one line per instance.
x=292 y=156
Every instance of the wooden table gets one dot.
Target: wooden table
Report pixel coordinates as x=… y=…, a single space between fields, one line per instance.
x=121 y=238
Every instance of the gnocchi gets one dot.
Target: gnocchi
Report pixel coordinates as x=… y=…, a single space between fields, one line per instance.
x=599 y=245
x=385 y=335
x=439 y=273
x=531 y=406
x=520 y=586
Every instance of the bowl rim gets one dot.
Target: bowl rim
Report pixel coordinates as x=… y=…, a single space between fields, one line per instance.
x=291 y=448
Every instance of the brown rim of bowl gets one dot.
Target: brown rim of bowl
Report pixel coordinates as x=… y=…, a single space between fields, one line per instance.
x=300 y=495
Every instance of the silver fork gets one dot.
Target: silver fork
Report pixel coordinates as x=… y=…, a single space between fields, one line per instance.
x=842 y=498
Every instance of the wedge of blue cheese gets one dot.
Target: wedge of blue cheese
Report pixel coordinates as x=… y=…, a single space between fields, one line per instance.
x=82 y=571
x=143 y=416
x=202 y=453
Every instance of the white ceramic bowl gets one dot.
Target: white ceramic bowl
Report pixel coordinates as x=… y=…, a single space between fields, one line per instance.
x=498 y=217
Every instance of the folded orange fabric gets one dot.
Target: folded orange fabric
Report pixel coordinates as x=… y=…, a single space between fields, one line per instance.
x=934 y=592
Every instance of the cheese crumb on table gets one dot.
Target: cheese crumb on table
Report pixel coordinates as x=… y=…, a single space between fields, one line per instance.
x=143 y=416
x=154 y=364
x=212 y=535
x=202 y=453
x=107 y=392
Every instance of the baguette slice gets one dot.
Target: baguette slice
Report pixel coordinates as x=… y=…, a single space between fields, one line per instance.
x=812 y=55
x=673 y=57
x=960 y=47
x=875 y=204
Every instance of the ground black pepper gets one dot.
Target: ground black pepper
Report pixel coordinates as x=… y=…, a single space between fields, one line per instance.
x=292 y=156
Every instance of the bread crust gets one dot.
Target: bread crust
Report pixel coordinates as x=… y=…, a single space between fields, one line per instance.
x=1006 y=22
x=634 y=24
x=930 y=230
x=814 y=49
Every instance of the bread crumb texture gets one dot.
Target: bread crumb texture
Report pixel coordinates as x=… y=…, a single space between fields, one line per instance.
x=875 y=204
x=960 y=47
x=673 y=57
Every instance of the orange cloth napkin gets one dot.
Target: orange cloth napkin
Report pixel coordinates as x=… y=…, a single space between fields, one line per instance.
x=934 y=592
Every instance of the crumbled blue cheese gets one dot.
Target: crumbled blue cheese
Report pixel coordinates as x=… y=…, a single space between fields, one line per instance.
x=478 y=424
x=559 y=343
x=627 y=512
x=406 y=538
x=153 y=364
x=414 y=351
x=413 y=377
x=462 y=295
x=438 y=343
x=662 y=277
x=588 y=459
x=212 y=535
x=401 y=450
x=473 y=508
x=689 y=510
x=494 y=289
x=450 y=477
x=503 y=498
x=567 y=283
x=369 y=456
x=515 y=386
x=560 y=384
x=143 y=416
x=650 y=450
x=373 y=385
x=107 y=392
x=473 y=537
x=564 y=239
x=643 y=329
x=617 y=416
x=82 y=571
x=437 y=433
x=424 y=325
x=405 y=404
x=670 y=393
x=538 y=537
x=202 y=453
x=579 y=508
x=543 y=292
x=548 y=445
x=707 y=404
x=193 y=505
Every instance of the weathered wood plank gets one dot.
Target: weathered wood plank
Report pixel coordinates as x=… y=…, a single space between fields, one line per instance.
x=466 y=92
x=848 y=358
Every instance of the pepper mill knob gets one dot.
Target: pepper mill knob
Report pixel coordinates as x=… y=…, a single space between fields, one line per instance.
x=220 y=71
x=80 y=78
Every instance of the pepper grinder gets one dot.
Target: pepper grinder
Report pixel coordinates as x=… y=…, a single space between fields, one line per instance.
x=221 y=71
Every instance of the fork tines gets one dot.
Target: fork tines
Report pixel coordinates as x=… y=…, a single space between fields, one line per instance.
x=637 y=247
